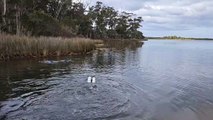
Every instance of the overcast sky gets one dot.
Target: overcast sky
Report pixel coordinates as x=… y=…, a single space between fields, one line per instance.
x=188 y=18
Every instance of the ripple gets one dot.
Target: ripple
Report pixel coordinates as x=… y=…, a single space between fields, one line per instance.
x=107 y=99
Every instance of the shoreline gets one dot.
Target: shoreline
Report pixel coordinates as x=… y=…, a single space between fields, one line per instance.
x=14 y=47
x=161 y=38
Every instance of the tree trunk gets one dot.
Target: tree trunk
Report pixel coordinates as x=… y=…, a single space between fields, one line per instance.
x=59 y=10
x=4 y=12
x=18 y=23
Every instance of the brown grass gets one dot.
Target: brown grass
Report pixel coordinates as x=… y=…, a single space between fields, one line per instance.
x=12 y=47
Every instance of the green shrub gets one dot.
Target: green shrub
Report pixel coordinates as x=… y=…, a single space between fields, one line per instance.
x=42 y=24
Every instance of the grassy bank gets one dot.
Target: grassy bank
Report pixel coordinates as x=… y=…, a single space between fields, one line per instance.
x=15 y=47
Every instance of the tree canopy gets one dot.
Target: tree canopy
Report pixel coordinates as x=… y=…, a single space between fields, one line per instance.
x=67 y=18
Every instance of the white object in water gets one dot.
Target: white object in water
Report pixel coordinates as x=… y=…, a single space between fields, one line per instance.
x=89 y=79
x=93 y=80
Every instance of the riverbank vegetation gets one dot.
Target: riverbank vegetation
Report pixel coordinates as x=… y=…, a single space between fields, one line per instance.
x=68 y=19
x=41 y=28
x=13 y=46
x=123 y=44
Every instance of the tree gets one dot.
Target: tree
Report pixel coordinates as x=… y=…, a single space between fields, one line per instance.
x=123 y=24
x=4 y=11
x=40 y=23
x=65 y=17
x=3 y=8
x=134 y=26
x=96 y=15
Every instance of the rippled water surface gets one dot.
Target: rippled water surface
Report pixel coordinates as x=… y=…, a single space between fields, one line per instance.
x=162 y=80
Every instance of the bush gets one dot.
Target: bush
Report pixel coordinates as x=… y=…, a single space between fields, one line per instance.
x=42 y=24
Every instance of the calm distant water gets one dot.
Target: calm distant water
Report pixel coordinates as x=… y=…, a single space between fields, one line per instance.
x=162 y=80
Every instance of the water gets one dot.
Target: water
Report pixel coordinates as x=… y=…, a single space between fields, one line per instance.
x=163 y=80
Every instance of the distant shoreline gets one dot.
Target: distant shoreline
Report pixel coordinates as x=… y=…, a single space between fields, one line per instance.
x=178 y=38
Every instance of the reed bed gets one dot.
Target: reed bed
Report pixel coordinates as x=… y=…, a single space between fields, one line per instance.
x=12 y=47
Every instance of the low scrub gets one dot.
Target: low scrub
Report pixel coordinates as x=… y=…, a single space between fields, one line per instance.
x=123 y=44
x=12 y=47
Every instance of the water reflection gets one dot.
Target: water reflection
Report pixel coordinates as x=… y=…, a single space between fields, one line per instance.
x=163 y=80
x=26 y=81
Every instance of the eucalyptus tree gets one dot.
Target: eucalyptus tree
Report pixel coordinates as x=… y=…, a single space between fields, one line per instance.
x=65 y=17
x=104 y=20
x=96 y=16
x=16 y=11
x=134 y=25
x=123 y=24
x=4 y=11
x=112 y=19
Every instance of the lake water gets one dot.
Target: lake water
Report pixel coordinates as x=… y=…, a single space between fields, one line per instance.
x=162 y=80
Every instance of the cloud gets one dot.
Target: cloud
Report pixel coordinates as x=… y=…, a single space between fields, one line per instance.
x=175 y=17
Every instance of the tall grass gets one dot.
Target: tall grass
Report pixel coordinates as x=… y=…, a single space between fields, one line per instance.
x=12 y=46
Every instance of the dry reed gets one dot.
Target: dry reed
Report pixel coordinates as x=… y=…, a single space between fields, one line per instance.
x=12 y=46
